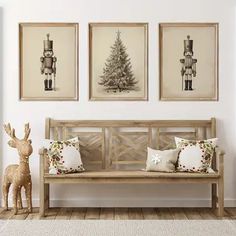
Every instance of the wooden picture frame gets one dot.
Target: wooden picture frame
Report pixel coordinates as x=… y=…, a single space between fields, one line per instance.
x=129 y=80
x=48 y=61
x=188 y=61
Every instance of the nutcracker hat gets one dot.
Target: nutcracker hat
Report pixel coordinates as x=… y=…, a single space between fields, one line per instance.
x=188 y=45
x=48 y=44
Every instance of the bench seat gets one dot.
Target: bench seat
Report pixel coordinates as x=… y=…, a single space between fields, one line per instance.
x=130 y=176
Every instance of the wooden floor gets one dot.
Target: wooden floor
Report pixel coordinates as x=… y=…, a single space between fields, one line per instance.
x=120 y=214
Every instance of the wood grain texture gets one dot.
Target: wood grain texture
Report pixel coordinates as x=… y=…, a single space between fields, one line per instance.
x=206 y=214
x=21 y=215
x=64 y=214
x=166 y=139
x=5 y=215
x=51 y=214
x=231 y=212
x=128 y=149
x=107 y=213
x=130 y=123
x=192 y=213
x=132 y=174
x=135 y=213
x=78 y=213
x=92 y=213
x=122 y=214
x=220 y=184
x=150 y=214
x=164 y=213
x=116 y=152
x=177 y=214
x=47 y=128
x=34 y=215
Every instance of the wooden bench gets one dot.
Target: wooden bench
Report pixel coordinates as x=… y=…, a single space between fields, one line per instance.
x=115 y=152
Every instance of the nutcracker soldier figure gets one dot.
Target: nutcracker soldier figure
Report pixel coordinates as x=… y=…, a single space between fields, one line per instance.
x=48 y=65
x=188 y=70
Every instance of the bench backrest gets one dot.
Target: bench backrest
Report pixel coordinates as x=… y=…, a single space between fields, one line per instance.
x=122 y=144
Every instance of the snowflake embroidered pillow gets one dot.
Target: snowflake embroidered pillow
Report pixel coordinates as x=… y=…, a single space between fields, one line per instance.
x=163 y=161
x=195 y=156
x=64 y=157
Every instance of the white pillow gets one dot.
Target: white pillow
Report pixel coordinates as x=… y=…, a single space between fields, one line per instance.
x=195 y=156
x=163 y=161
x=64 y=156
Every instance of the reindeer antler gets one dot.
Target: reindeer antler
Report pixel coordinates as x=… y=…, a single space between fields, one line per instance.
x=27 y=131
x=10 y=132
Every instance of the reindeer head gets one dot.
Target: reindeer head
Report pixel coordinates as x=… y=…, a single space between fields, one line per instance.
x=23 y=146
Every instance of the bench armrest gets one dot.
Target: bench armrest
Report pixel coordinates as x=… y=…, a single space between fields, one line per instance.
x=42 y=151
x=44 y=165
x=220 y=161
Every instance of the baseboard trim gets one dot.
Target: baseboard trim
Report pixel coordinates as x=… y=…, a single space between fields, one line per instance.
x=130 y=202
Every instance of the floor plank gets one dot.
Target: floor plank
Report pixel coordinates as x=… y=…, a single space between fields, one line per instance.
x=178 y=214
x=192 y=214
x=5 y=215
x=149 y=214
x=164 y=213
x=207 y=214
x=51 y=213
x=34 y=215
x=92 y=213
x=121 y=214
x=226 y=216
x=231 y=212
x=64 y=213
x=78 y=213
x=21 y=215
x=1 y=210
x=135 y=213
x=107 y=214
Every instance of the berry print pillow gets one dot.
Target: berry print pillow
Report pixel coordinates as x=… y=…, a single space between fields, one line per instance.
x=64 y=157
x=195 y=156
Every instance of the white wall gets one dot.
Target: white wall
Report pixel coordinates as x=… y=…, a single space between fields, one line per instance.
x=153 y=12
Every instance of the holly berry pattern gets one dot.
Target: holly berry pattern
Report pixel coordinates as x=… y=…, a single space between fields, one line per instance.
x=56 y=159
x=207 y=149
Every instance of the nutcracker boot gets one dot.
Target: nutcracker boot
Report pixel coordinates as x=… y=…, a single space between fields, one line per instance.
x=186 y=85
x=50 y=84
x=45 y=84
x=190 y=85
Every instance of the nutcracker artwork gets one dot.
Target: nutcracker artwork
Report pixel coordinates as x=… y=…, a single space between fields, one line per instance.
x=188 y=63
x=48 y=65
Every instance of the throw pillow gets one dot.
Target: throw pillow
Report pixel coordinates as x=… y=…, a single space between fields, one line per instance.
x=64 y=156
x=195 y=156
x=163 y=161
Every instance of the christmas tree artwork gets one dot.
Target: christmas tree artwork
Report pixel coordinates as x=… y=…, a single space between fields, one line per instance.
x=117 y=72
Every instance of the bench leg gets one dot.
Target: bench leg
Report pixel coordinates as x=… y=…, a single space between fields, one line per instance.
x=213 y=196
x=220 y=193
x=44 y=199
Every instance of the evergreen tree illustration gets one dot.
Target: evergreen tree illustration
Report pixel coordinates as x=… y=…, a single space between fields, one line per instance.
x=117 y=72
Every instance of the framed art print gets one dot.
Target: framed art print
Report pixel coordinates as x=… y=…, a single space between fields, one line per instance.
x=48 y=61
x=188 y=61
x=118 y=61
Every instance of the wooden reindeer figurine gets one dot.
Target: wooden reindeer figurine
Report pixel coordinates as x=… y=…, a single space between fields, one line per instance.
x=18 y=175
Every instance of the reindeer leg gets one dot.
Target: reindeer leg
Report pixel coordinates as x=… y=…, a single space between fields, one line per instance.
x=19 y=199
x=28 y=195
x=5 y=191
x=15 y=194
